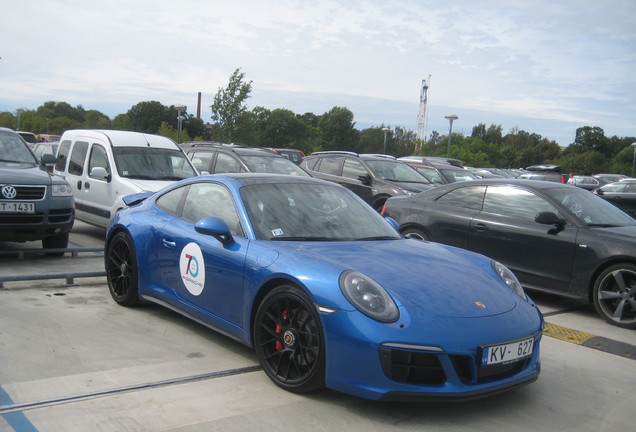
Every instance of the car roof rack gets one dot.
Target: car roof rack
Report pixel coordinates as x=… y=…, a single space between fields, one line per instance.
x=381 y=155
x=342 y=152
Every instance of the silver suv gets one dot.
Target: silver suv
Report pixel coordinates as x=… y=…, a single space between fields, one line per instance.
x=34 y=204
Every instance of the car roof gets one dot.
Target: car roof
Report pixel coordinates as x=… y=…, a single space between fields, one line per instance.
x=259 y=178
x=234 y=148
x=118 y=138
x=534 y=184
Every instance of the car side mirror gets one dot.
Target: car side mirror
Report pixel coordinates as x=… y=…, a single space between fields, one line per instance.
x=100 y=173
x=393 y=223
x=365 y=179
x=549 y=218
x=48 y=159
x=215 y=227
x=599 y=192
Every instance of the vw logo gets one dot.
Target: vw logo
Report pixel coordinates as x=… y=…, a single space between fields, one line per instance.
x=9 y=192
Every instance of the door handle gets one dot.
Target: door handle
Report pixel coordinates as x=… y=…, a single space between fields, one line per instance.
x=87 y=185
x=79 y=185
x=481 y=227
x=169 y=243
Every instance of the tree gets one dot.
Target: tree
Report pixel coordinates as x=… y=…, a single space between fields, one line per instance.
x=229 y=105
x=337 y=130
x=148 y=116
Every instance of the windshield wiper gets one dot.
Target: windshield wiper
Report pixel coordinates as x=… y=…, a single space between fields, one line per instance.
x=600 y=225
x=299 y=238
x=378 y=238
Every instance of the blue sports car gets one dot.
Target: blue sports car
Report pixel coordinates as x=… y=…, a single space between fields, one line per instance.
x=325 y=289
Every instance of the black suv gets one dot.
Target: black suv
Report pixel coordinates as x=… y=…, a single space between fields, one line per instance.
x=34 y=204
x=214 y=157
x=373 y=177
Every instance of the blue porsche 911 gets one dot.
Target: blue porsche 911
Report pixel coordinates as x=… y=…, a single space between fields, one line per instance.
x=325 y=289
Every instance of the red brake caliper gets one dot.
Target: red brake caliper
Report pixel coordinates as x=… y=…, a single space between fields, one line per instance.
x=279 y=330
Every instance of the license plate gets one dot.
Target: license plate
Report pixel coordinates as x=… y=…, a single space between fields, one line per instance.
x=506 y=353
x=17 y=207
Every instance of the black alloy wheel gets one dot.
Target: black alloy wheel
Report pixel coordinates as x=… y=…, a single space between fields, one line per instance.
x=615 y=295
x=289 y=341
x=121 y=270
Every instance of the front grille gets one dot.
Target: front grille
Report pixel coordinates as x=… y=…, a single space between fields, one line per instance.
x=56 y=216
x=426 y=368
x=31 y=193
x=412 y=367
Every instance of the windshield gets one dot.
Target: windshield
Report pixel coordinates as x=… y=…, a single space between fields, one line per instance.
x=273 y=164
x=152 y=163
x=310 y=211
x=13 y=150
x=590 y=208
x=396 y=171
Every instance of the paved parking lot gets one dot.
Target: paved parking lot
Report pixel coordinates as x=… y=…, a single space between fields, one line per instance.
x=72 y=360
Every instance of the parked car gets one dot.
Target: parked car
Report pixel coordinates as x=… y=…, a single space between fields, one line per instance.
x=555 y=238
x=587 y=182
x=622 y=194
x=28 y=137
x=103 y=166
x=294 y=155
x=212 y=158
x=611 y=177
x=373 y=177
x=324 y=289
x=553 y=173
x=434 y=160
x=34 y=204
x=41 y=148
x=49 y=138
x=440 y=173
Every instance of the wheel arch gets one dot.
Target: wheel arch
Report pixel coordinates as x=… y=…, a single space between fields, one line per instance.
x=379 y=200
x=265 y=289
x=601 y=268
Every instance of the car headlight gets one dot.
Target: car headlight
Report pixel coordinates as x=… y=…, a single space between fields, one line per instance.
x=368 y=297
x=509 y=278
x=60 y=190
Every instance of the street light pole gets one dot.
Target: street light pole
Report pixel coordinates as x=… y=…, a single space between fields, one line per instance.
x=450 y=118
x=633 y=158
x=180 y=118
x=18 y=111
x=385 y=130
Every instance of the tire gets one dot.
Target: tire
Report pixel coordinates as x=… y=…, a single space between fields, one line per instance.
x=615 y=295
x=415 y=233
x=121 y=270
x=289 y=341
x=56 y=242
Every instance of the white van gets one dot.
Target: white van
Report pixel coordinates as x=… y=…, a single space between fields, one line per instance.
x=103 y=166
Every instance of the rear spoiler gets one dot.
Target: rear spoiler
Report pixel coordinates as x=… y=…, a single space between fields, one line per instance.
x=134 y=199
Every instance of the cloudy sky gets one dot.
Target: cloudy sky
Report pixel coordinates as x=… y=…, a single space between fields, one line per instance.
x=543 y=66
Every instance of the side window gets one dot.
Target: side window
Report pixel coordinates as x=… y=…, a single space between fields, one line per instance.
x=515 y=202
x=62 y=155
x=211 y=200
x=226 y=164
x=353 y=169
x=170 y=201
x=201 y=160
x=78 y=156
x=331 y=165
x=97 y=158
x=470 y=197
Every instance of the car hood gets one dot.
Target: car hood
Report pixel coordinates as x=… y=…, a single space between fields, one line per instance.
x=416 y=187
x=149 y=185
x=444 y=280
x=25 y=175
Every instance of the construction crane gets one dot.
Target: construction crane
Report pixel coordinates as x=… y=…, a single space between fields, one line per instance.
x=421 y=116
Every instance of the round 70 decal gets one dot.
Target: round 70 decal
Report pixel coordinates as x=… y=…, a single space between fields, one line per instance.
x=192 y=268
